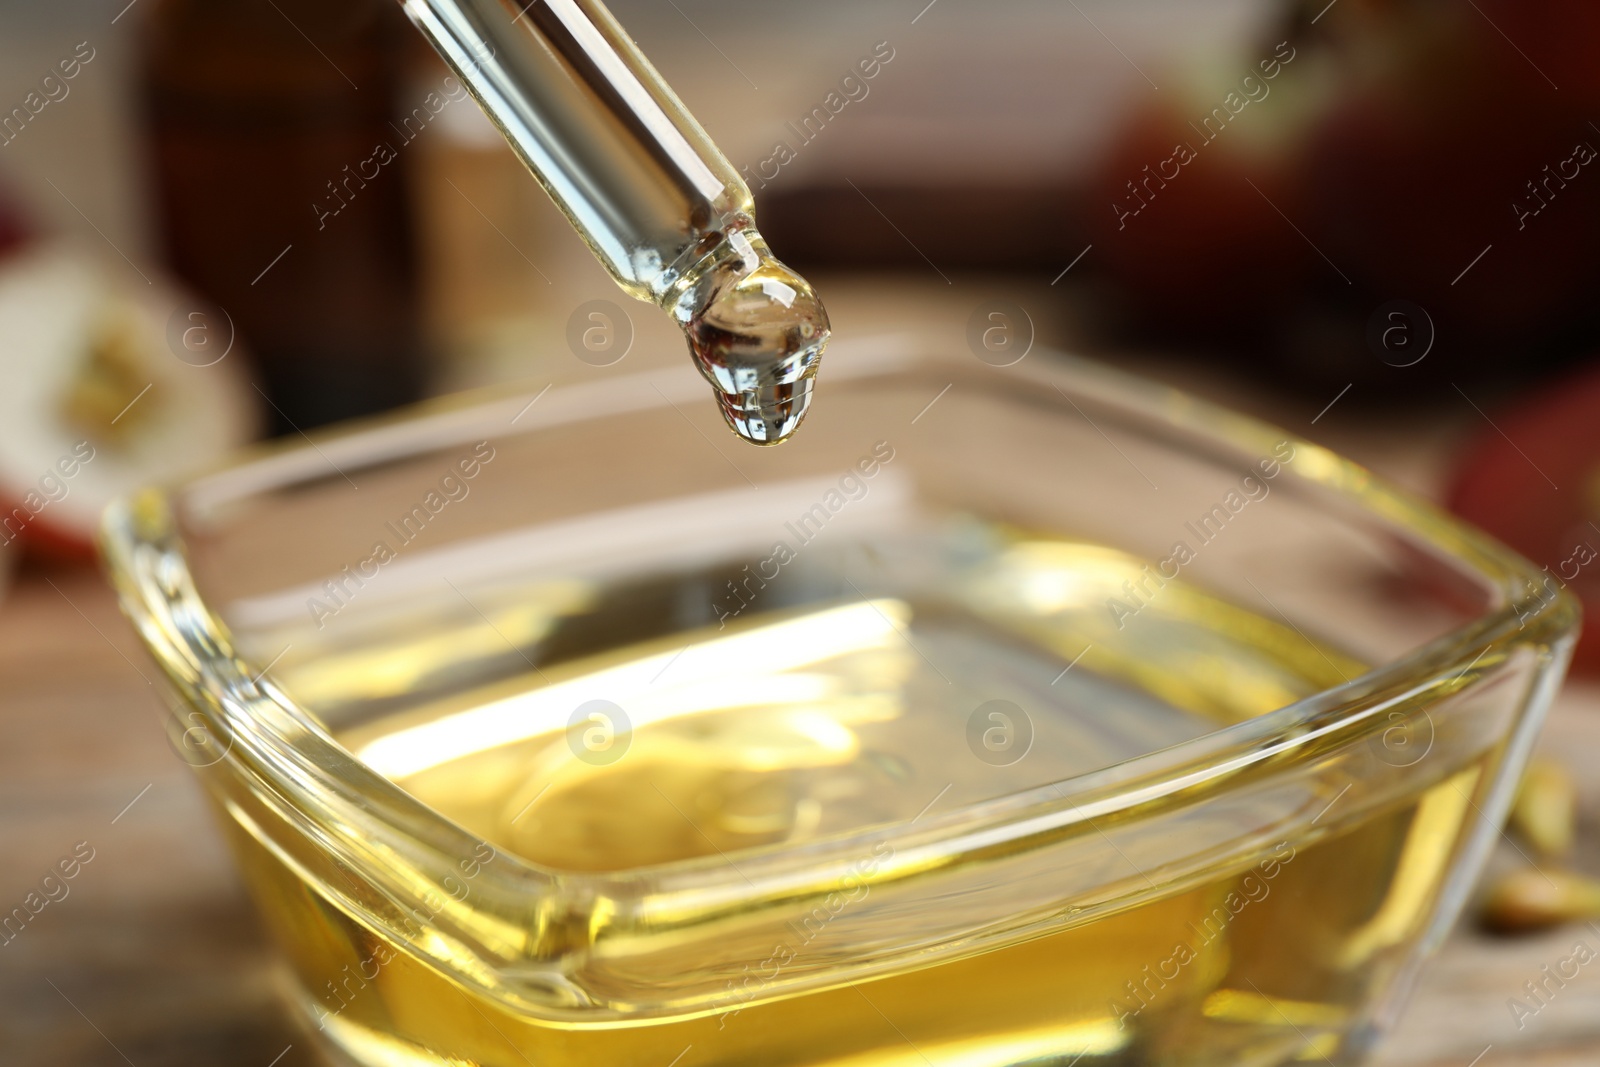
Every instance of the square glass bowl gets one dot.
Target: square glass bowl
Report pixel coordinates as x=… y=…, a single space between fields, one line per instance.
x=1025 y=715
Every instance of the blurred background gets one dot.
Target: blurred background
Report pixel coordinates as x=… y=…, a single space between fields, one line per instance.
x=1372 y=222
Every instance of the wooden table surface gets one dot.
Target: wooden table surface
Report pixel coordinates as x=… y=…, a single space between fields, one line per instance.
x=154 y=958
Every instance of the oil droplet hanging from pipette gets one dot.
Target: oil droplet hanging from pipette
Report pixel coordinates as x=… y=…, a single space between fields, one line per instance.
x=757 y=331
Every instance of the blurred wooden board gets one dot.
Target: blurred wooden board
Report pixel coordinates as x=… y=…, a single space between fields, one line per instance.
x=155 y=959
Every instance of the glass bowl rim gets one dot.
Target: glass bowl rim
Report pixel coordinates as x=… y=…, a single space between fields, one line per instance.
x=135 y=526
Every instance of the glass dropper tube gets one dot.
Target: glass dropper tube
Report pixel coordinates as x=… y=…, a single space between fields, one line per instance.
x=661 y=207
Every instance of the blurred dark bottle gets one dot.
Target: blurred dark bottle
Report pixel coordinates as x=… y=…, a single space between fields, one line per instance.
x=264 y=116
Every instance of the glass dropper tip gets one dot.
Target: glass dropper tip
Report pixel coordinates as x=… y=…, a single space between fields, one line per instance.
x=757 y=333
